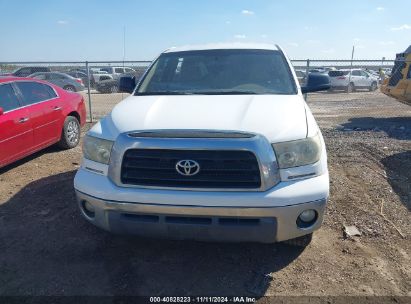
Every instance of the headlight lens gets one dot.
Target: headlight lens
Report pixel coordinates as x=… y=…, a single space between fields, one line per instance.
x=298 y=153
x=97 y=149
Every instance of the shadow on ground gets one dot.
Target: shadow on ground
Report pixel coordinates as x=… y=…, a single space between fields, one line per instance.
x=48 y=249
x=48 y=150
x=398 y=169
x=395 y=127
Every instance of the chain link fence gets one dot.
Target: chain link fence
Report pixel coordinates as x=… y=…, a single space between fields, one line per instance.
x=100 y=79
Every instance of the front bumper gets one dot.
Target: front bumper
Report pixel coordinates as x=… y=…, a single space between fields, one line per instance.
x=265 y=217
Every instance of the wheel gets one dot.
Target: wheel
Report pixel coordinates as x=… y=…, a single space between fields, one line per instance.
x=70 y=135
x=114 y=89
x=350 y=88
x=373 y=87
x=69 y=88
x=302 y=241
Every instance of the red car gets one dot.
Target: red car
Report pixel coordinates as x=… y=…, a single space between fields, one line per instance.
x=35 y=114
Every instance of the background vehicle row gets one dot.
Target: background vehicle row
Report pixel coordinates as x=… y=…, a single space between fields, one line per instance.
x=65 y=81
x=97 y=74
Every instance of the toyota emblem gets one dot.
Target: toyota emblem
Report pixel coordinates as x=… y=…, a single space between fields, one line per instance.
x=187 y=167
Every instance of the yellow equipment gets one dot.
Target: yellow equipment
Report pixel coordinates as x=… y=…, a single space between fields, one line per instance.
x=398 y=85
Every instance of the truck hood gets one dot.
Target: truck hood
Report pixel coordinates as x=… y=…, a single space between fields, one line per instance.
x=277 y=117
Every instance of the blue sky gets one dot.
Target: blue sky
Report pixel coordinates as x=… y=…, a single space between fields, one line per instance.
x=93 y=30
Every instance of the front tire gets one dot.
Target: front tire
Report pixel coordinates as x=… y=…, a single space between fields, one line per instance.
x=70 y=135
x=69 y=88
x=350 y=88
x=114 y=89
x=373 y=87
x=302 y=241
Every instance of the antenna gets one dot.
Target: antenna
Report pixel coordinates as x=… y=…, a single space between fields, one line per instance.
x=124 y=44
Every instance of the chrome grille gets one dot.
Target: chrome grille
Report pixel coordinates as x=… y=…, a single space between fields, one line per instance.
x=218 y=169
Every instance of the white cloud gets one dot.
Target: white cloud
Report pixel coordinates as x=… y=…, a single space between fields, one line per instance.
x=386 y=42
x=62 y=22
x=247 y=12
x=357 y=39
x=360 y=47
x=328 y=51
x=240 y=36
x=264 y=36
x=401 y=28
x=294 y=44
x=380 y=8
x=228 y=22
x=313 y=41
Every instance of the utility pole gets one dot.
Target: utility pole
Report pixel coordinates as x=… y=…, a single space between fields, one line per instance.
x=352 y=58
x=88 y=92
x=124 y=44
x=307 y=72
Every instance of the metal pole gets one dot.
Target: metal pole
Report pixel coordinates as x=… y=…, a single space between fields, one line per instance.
x=306 y=77
x=124 y=55
x=124 y=44
x=352 y=58
x=380 y=71
x=88 y=92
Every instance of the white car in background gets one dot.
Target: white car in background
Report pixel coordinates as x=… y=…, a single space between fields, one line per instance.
x=351 y=80
x=116 y=72
x=301 y=76
x=99 y=75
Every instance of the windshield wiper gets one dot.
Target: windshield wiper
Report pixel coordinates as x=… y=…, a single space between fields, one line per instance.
x=199 y=93
x=225 y=93
x=164 y=93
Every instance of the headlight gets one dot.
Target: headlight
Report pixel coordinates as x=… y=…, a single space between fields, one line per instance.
x=298 y=153
x=97 y=149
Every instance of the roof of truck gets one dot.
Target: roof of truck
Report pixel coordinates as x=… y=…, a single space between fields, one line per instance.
x=224 y=46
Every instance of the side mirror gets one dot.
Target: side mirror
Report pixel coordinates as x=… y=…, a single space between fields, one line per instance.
x=1 y=111
x=316 y=82
x=127 y=84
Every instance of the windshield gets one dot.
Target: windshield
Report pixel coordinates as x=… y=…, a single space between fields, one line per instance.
x=219 y=72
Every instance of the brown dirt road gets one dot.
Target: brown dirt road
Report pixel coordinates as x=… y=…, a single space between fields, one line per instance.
x=46 y=248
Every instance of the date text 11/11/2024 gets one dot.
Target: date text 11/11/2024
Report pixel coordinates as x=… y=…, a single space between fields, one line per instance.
x=205 y=299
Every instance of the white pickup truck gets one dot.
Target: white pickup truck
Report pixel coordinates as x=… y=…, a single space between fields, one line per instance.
x=215 y=142
x=116 y=72
x=99 y=75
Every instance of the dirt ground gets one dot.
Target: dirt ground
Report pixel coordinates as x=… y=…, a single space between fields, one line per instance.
x=46 y=248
